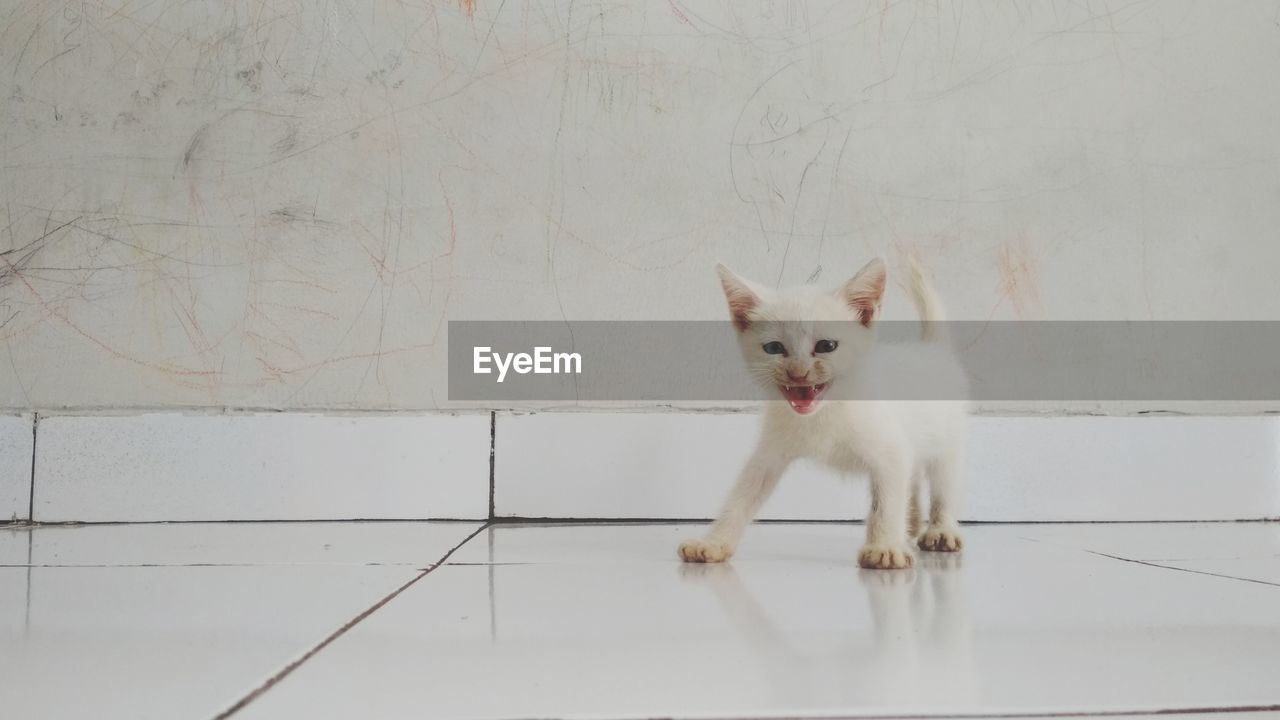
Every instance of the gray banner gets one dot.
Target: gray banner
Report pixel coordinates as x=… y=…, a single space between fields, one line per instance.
x=700 y=361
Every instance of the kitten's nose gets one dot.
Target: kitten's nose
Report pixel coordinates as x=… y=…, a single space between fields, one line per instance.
x=798 y=378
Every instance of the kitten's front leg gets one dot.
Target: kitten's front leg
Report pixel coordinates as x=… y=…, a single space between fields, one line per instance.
x=755 y=483
x=888 y=546
x=943 y=532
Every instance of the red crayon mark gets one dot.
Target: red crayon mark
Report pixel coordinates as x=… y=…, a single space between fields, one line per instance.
x=676 y=9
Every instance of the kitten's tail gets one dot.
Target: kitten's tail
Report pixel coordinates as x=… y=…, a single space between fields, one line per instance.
x=928 y=306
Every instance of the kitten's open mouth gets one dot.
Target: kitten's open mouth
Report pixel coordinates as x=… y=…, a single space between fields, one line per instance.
x=803 y=398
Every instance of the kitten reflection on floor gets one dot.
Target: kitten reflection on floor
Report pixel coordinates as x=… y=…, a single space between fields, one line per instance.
x=921 y=630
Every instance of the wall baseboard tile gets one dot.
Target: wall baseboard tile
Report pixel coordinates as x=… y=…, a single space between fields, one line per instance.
x=310 y=466
x=17 y=433
x=281 y=466
x=1021 y=468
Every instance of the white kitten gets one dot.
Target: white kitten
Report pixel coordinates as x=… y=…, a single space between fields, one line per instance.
x=798 y=343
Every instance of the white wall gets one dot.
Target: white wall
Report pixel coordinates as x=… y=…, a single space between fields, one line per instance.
x=278 y=204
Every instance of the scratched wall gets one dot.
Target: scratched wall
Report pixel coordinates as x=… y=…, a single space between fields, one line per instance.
x=279 y=204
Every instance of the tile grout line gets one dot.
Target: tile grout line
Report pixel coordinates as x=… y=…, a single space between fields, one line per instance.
x=232 y=521
x=294 y=665
x=31 y=489
x=520 y=520
x=81 y=566
x=582 y=520
x=1179 y=569
x=1047 y=714
x=493 y=437
x=1156 y=712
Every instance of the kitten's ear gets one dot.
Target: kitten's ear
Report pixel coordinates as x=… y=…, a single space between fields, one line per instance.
x=742 y=295
x=865 y=291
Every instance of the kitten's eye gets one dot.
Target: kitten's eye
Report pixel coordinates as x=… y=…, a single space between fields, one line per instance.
x=775 y=348
x=825 y=346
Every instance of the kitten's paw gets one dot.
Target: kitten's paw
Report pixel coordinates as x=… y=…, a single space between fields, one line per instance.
x=941 y=539
x=705 y=551
x=886 y=557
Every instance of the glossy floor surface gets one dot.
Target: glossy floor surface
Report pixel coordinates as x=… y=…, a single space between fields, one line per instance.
x=460 y=620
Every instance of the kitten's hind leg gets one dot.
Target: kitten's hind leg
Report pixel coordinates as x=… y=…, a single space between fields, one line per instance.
x=913 y=507
x=755 y=484
x=943 y=531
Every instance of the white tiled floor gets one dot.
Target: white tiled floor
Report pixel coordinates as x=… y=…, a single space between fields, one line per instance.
x=186 y=621
x=182 y=621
